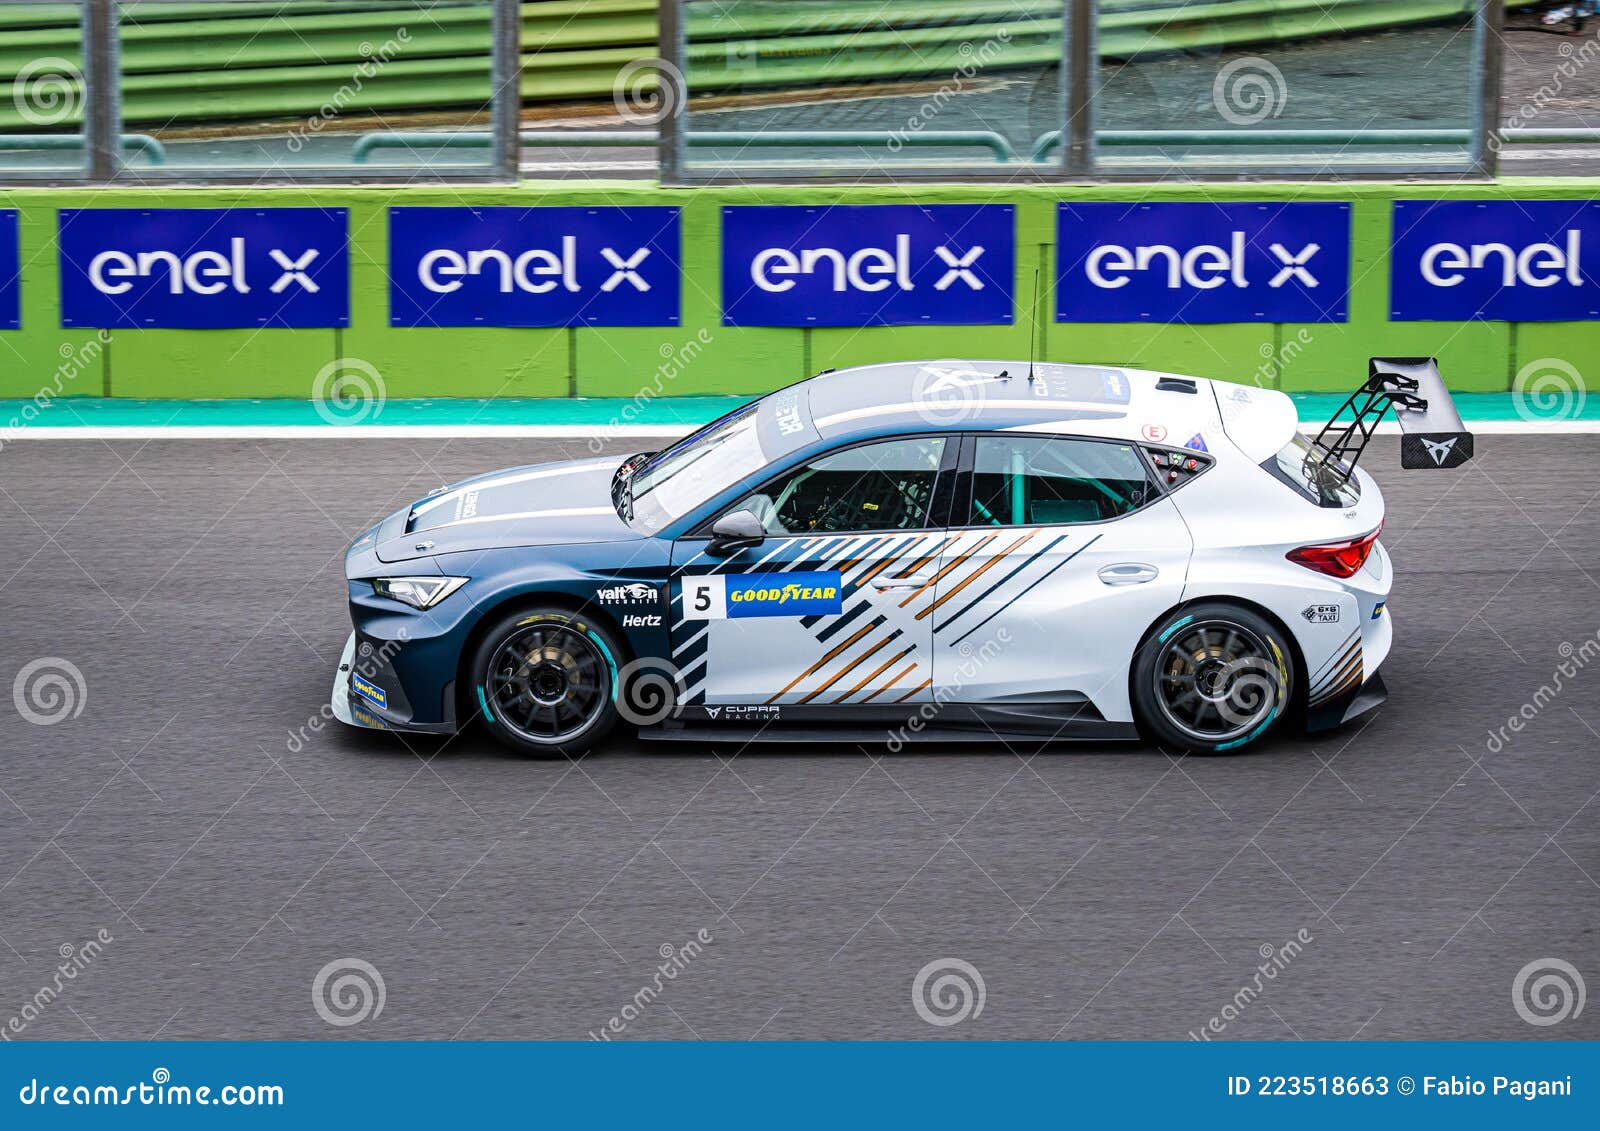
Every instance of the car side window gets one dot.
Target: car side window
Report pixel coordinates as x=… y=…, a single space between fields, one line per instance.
x=886 y=485
x=1043 y=480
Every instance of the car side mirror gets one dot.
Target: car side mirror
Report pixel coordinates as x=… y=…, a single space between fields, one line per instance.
x=736 y=531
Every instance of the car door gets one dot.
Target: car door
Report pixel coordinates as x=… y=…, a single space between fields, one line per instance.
x=1063 y=550
x=821 y=614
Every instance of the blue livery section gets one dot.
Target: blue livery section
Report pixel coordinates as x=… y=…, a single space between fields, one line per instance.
x=784 y=594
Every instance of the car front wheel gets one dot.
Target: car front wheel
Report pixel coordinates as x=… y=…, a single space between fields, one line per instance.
x=1212 y=678
x=544 y=682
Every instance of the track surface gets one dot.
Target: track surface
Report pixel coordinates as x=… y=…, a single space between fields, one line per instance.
x=1111 y=893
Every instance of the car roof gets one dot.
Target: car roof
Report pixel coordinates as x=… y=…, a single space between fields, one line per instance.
x=904 y=396
x=1098 y=400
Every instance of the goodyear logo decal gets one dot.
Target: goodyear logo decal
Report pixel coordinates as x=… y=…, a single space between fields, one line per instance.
x=719 y=596
x=369 y=691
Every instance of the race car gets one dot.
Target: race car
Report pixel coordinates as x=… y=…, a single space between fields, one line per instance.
x=904 y=553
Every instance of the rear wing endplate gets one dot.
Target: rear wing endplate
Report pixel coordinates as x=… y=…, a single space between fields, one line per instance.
x=1431 y=432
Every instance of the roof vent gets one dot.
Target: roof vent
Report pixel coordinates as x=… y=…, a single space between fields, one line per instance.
x=1177 y=385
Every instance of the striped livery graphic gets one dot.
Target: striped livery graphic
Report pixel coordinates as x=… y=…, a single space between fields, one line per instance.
x=901 y=592
x=1338 y=674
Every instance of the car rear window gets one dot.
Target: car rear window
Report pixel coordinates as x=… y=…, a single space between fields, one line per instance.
x=1304 y=466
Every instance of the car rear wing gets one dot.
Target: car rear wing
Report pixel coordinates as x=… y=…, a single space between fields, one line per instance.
x=1431 y=432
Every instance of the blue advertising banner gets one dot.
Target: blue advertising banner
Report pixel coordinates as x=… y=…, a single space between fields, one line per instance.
x=1496 y=260
x=511 y=266
x=868 y=265
x=204 y=268
x=1269 y=261
x=10 y=271
x=1238 y=1084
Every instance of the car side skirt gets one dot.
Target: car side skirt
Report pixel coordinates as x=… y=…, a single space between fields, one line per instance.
x=892 y=724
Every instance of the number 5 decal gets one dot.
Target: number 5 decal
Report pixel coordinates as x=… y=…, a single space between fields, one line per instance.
x=705 y=597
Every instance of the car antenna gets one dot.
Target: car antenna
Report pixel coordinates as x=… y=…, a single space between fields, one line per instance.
x=1033 y=329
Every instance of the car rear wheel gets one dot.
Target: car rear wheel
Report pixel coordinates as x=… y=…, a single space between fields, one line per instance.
x=544 y=682
x=1212 y=678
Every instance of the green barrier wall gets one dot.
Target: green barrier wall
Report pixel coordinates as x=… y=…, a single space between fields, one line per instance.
x=493 y=362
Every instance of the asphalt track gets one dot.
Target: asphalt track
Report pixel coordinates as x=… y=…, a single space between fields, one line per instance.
x=1099 y=893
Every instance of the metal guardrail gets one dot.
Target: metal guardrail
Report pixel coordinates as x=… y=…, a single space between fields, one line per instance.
x=743 y=139
x=1003 y=150
x=131 y=143
x=1340 y=139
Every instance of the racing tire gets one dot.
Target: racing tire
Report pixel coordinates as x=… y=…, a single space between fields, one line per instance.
x=1212 y=678
x=543 y=682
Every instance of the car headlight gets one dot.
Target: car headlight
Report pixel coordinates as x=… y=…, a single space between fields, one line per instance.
x=418 y=592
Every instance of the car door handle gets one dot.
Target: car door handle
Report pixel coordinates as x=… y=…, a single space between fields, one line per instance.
x=900 y=583
x=1128 y=573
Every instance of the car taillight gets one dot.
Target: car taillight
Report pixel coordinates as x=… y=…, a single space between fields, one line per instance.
x=1336 y=559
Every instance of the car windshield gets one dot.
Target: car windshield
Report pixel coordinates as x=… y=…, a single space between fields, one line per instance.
x=696 y=468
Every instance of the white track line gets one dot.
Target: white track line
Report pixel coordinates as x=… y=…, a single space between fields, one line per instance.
x=563 y=431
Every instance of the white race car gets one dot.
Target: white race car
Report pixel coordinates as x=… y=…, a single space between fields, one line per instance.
x=910 y=552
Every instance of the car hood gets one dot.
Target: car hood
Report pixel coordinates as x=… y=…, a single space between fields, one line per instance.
x=548 y=504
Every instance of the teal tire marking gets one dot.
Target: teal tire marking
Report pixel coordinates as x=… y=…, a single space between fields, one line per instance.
x=1173 y=627
x=484 y=703
x=1265 y=723
x=610 y=661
